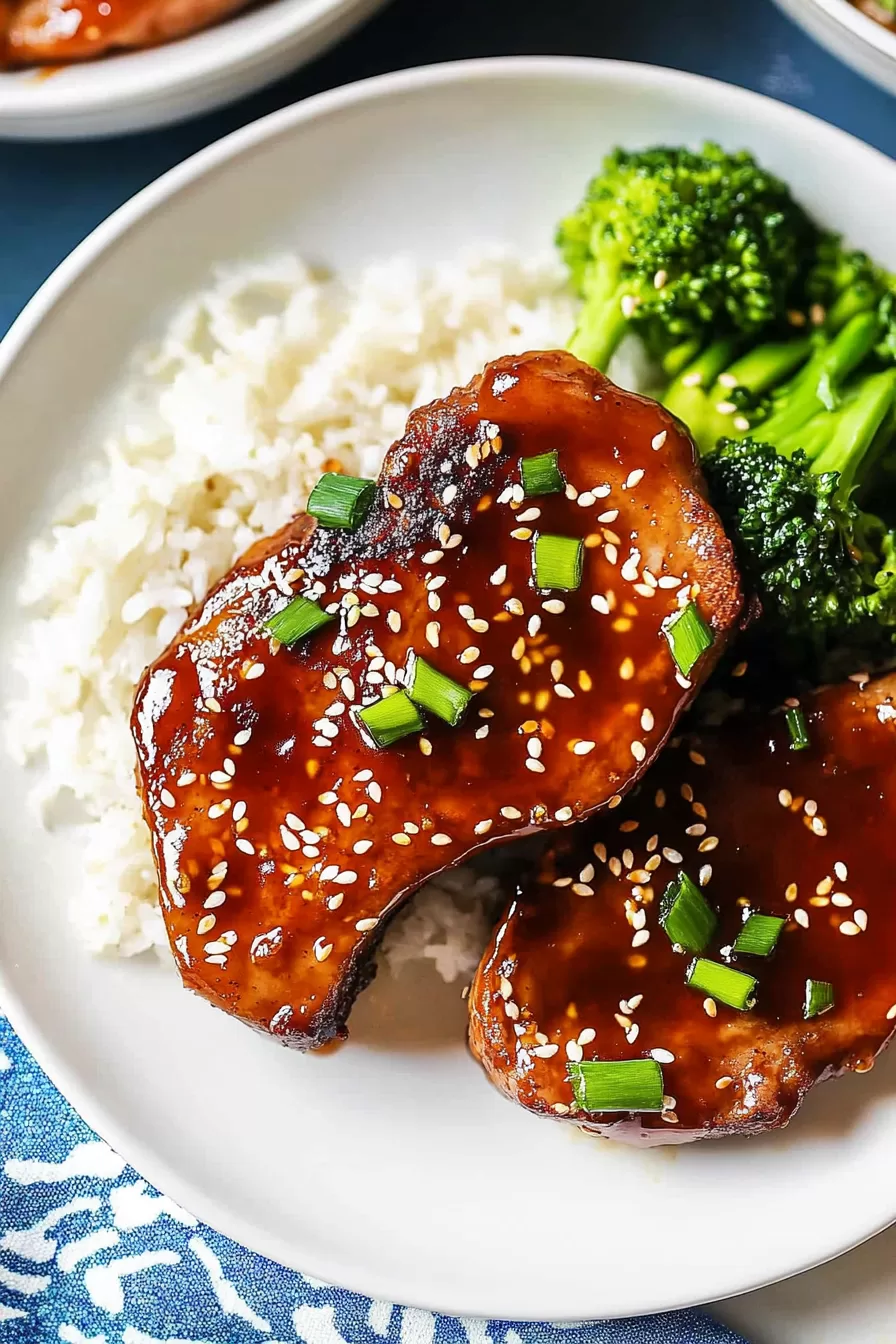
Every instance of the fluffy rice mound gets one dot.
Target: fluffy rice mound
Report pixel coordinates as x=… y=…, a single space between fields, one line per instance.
x=224 y=430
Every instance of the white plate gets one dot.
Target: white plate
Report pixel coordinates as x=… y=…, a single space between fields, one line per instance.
x=391 y=1166
x=846 y=32
x=133 y=91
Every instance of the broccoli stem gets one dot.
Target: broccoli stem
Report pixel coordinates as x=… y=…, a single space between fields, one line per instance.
x=602 y=322
x=856 y=428
x=766 y=366
x=858 y=298
x=676 y=360
x=816 y=386
x=687 y=397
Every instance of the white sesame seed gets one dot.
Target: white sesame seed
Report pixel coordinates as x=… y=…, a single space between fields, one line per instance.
x=432 y=634
x=583 y=748
x=662 y=1056
x=289 y=840
x=848 y=928
x=574 y=1052
x=482 y=827
x=168 y=798
x=545 y=1051
x=801 y=918
x=641 y=937
x=440 y=839
x=499 y=575
x=554 y=605
x=245 y=846
x=533 y=625
x=861 y=918
x=374 y=792
x=401 y=839
x=563 y=814
x=658 y=439
x=709 y=1007
x=638 y=750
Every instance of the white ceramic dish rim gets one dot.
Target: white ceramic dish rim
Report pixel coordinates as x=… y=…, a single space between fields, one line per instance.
x=211 y=57
x=65 y=278
x=864 y=28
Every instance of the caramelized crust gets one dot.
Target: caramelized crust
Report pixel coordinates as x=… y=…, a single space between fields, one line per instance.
x=581 y=969
x=282 y=837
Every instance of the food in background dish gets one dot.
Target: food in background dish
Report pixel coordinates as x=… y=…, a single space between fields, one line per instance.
x=882 y=11
x=494 y=638
x=35 y=32
x=722 y=942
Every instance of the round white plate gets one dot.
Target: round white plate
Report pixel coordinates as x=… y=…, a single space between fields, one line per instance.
x=848 y=33
x=135 y=90
x=391 y=1166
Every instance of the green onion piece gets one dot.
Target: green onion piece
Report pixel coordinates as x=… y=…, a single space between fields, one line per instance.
x=759 y=935
x=341 y=501
x=734 y=988
x=819 y=998
x=689 y=636
x=391 y=718
x=624 y=1085
x=685 y=915
x=541 y=475
x=798 y=729
x=431 y=689
x=558 y=561
x=298 y=619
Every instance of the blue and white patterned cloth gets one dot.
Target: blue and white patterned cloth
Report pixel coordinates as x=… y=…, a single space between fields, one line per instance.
x=90 y=1254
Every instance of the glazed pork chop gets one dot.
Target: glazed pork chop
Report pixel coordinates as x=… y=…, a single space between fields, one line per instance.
x=38 y=31
x=741 y=824
x=536 y=556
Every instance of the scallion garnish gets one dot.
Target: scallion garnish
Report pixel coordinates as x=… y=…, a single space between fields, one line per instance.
x=387 y=720
x=689 y=636
x=798 y=729
x=299 y=618
x=819 y=998
x=617 y=1085
x=558 y=561
x=431 y=689
x=341 y=501
x=759 y=935
x=734 y=988
x=685 y=914
x=541 y=475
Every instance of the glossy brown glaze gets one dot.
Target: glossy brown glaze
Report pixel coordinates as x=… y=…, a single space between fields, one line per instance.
x=810 y=835
x=282 y=838
x=38 y=31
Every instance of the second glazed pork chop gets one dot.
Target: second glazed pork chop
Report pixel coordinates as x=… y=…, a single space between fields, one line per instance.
x=282 y=836
x=581 y=969
x=75 y=30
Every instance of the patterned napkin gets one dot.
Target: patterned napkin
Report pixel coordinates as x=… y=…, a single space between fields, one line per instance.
x=90 y=1254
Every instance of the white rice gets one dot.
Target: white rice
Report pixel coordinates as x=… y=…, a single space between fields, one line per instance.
x=227 y=425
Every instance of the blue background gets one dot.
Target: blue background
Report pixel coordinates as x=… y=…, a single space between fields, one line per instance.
x=51 y=195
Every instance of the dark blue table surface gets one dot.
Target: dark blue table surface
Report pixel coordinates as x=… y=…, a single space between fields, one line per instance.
x=51 y=195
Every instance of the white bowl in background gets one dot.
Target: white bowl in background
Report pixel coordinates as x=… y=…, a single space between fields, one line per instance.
x=391 y=1166
x=848 y=33
x=136 y=90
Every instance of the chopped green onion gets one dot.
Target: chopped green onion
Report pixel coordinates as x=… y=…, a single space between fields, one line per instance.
x=689 y=636
x=624 y=1085
x=341 y=501
x=541 y=475
x=819 y=998
x=558 y=561
x=685 y=914
x=759 y=935
x=298 y=619
x=734 y=988
x=391 y=718
x=798 y=729
x=429 y=687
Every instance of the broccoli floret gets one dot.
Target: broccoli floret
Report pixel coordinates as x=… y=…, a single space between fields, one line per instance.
x=823 y=569
x=683 y=246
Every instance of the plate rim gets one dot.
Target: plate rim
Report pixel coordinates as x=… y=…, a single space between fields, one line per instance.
x=134 y=89
x=14 y=344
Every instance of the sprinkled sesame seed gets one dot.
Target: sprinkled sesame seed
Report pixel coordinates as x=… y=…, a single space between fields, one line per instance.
x=554 y=605
x=802 y=918
x=705 y=874
x=641 y=937
x=499 y=575
x=583 y=748
x=659 y=439
x=401 y=839
x=574 y=1052
x=709 y=1007
x=362 y=846
x=638 y=750
x=245 y=846
x=626 y=669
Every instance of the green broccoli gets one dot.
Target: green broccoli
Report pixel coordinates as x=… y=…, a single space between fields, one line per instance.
x=780 y=389
x=684 y=246
x=823 y=569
